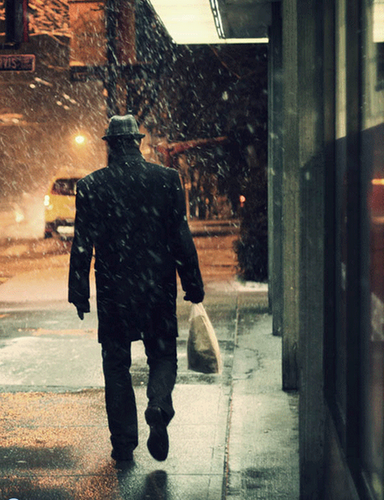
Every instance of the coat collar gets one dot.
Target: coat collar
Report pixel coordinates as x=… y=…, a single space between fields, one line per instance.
x=129 y=155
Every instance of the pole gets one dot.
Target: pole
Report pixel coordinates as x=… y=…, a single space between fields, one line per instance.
x=111 y=7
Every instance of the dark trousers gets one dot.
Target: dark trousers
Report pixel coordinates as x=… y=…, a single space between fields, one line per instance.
x=119 y=393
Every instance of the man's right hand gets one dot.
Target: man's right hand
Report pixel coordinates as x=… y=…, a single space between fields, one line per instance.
x=195 y=296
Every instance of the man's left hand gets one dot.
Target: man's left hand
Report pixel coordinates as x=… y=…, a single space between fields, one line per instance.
x=82 y=308
x=80 y=313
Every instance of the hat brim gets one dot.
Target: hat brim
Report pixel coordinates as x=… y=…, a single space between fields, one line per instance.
x=135 y=136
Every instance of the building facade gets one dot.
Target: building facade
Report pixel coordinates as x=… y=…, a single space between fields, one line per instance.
x=326 y=214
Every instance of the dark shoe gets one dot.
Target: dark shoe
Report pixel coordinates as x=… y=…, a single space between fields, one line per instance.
x=158 y=443
x=119 y=456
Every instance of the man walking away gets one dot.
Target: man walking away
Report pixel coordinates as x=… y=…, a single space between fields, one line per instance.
x=132 y=213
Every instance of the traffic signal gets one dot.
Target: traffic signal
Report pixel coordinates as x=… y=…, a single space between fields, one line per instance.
x=16 y=21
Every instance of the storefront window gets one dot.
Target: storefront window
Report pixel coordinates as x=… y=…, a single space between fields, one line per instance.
x=341 y=208
x=372 y=156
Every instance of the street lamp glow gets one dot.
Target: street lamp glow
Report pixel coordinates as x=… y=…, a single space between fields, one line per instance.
x=79 y=139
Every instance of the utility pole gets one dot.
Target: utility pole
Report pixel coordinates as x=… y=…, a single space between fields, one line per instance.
x=111 y=7
x=121 y=50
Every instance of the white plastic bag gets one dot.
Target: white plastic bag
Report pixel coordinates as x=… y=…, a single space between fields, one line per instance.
x=202 y=346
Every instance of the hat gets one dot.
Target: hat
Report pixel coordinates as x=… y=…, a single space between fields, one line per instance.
x=123 y=126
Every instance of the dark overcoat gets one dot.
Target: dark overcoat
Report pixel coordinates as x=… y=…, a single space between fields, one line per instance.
x=132 y=214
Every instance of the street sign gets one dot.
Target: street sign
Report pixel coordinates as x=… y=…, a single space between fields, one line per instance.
x=92 y=73
x=87 y=73
x=17 y=62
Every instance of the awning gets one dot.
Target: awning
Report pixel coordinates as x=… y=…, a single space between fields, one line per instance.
x=214 y=21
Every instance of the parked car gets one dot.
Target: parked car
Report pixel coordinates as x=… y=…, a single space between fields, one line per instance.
x=59 y=205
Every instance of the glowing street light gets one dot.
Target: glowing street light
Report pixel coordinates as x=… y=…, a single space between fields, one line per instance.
x=80 y=139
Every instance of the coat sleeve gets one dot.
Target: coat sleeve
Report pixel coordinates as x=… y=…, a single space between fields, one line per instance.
x=182 y=246
x=81 y=253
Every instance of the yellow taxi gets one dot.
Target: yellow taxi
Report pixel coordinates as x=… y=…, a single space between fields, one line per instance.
x=59 y=203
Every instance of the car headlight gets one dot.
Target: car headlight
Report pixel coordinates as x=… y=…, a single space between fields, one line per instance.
x=19 y=217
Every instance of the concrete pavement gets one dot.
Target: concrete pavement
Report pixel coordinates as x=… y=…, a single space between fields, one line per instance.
x=234 y=436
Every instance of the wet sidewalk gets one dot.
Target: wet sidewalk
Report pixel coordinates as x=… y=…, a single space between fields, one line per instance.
x=234 y=435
